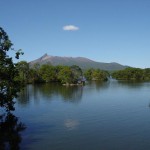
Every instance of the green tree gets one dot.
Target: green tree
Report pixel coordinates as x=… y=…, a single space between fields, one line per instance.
x=33 y=76
x=97 y=74
x=23 y=69
x=129 y=74
x=76 y=73
x=8 y=72
x=47 y=73
x=88 y=74
x=146 y=73
x=65 y=75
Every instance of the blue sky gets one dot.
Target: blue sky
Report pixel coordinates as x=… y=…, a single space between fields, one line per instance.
x=102 y=30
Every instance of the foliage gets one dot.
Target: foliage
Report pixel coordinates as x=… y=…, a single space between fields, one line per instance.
x=34 y=74
x=9 y=86
x=132 y=74
x=96 y=74
x=146 y=73
x=47 y=73
x=65 y=75
x=76 y=73
x=88 y=74
x=99 y=75
x=23 y=69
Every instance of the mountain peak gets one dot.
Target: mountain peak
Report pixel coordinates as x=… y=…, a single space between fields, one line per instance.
x=82 y=62
x=44 y=57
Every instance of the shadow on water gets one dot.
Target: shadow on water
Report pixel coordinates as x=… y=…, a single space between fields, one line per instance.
x=10 y=128
x=68 y=93
x=48 y=91
x=132 y=84
x=24 y=97
x=98 y=85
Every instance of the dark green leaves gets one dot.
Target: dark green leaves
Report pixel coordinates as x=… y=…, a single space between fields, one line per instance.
x=9 y=86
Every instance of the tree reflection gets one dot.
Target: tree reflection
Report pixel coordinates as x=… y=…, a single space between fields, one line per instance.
x=10 y=128
x=23 y=97
x=101 y=85
x=98 y=85
x=131 y=84
x=49 y=91
x=71 y=94
x=68 y=93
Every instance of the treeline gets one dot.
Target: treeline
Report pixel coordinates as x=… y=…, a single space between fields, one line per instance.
x=96 y=74
x=63 y=74
x=132 y=74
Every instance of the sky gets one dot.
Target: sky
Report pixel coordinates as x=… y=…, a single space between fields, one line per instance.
x=101 y=30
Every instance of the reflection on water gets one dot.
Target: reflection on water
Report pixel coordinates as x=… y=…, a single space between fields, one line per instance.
x=131 y=84
x=10 y=128
x=24 y=96
x=98 y=85
x=47 y=91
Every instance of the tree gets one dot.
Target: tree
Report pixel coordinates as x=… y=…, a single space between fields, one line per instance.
x=76 y=73
x=99 y=75
x=65 y=75
x=34 y=74
x=88 y=74
x=9 y=86
x=129 y=74
x=147 y=74
x=96 y=74
x=47 y=73
x=23 y=69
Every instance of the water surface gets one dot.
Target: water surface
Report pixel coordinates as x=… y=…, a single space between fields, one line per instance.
x=98 y=116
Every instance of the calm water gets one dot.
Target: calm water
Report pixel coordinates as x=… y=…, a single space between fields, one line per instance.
x=98 y=116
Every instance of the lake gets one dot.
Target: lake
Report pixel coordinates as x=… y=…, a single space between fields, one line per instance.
x=98 y=116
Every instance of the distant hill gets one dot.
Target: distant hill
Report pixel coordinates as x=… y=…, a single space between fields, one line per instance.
x=82 y=62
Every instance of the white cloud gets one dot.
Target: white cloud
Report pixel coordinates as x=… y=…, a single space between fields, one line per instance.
x=70 y=28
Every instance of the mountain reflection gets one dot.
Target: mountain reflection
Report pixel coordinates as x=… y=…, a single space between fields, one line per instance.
x=49 y=92
x=10 y=129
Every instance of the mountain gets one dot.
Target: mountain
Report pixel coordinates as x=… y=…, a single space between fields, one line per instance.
x=82 y=62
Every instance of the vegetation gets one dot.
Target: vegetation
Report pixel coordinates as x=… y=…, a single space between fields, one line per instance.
x=47 y=73
x=63 y=74
x=96 y=74
x=23 y=69
x=9 y=83
x=132 y=74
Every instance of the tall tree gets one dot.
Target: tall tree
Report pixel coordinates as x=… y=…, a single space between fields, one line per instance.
x=9 y=86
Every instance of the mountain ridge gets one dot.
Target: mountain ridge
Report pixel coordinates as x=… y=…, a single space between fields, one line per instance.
x=83 y=62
